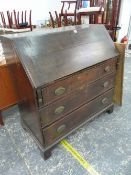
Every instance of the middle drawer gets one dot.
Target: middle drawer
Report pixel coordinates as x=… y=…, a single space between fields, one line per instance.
x=66 y=105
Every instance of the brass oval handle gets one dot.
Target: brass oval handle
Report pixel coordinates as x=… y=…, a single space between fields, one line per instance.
x=60 y=91
x=61 y=128
x=106 y=84
x=40 y=99
x=105 y=100
x=107 y=69
x=59 y=110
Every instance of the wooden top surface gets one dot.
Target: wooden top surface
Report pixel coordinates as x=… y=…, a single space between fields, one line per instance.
x=49 y=56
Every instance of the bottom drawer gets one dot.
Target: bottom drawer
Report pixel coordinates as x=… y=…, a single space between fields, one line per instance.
x=69 y=122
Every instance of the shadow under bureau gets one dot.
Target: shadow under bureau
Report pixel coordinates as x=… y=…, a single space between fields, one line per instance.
x=64 y=78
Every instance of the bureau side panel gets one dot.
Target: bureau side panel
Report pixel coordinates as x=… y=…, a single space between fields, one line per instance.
x=28 y=106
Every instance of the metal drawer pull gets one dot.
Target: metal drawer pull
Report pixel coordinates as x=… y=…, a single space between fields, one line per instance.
x=59 y=110
x=61 y=128
x=106 y=84
x=60 y=91
x=105 y=100
x=107 y=69
x=40 y=100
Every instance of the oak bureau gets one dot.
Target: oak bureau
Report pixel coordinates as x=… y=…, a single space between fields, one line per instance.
x=64 y=78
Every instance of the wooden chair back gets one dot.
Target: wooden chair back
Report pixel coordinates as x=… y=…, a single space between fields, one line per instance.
x=95 y=11
x=68 y=3
x=55 y=22
x=4 y=24
x=19 y=19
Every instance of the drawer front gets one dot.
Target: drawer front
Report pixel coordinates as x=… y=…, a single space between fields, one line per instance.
x=94 y=73
x=61 y=88
x=65 y=125
x=69 y=103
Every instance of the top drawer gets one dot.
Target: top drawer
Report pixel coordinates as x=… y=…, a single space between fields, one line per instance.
x=60 y=88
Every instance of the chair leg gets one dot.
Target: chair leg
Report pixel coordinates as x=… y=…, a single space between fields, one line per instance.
x=79 y=18
x=102 y=18
x=65 y=19
x=57 y=19
x=9 y=19
x=52 y=20
x=60 y=18
x=1 y=119
x=3 y=19
x=30 y=20
x=91 y=19
x=15 y=20
x=96 y=18
x=75 y=18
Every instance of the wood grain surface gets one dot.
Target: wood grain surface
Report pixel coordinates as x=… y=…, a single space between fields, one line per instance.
x=120 y=74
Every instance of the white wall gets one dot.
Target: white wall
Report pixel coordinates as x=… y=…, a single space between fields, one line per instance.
x=40 y=8
x=124 y=18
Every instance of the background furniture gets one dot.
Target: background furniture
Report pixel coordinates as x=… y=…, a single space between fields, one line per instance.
x=21 y=20
x=8 y=94
x=3 y=21
x=107 y=13
x=17 y=20
x=111 y=17
x=94 y=12
x=67 y=10
x=61 y=88
x=55 y=22
x=100 y=11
